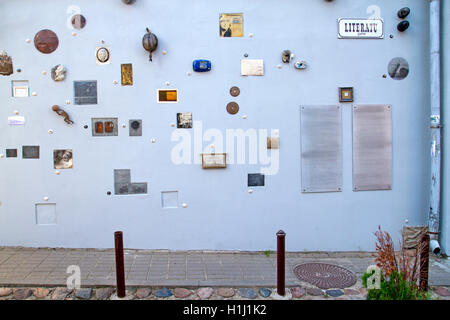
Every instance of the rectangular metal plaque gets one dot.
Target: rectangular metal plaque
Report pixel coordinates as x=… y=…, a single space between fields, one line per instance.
x=11 y=153
x=214 y=160
x=167 y=95
x=360 y=28
x=372 y=147
x=231 y=25
x=105 y=127
x=135 y=128
x=321 y=148
x=85 y=92
x=30 y=152
x=127 y=74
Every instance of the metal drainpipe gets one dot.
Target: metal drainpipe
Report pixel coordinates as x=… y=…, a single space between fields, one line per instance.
x=435 y=101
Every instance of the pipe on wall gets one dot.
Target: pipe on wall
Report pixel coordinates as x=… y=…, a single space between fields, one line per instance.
x=435 y=104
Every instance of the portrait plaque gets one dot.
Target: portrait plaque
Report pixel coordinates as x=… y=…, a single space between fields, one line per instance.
x=46 y=41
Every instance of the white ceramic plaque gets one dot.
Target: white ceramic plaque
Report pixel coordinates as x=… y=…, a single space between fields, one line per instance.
x=16 y=120
x=252 y=67
x=360 y=28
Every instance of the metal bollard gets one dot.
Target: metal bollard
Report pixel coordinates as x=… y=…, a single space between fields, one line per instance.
x=281 y=263
x=120 y=266
x=424 y=261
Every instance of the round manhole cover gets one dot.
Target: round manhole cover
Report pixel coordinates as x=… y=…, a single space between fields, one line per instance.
x=325 y=276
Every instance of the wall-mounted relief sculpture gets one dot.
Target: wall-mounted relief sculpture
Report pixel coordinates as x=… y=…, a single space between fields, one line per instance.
x=255 y=180
x=127 y=74
x=231 y=25
x=135 y=127
x=214 y=160
x=232 y=108
x=150 y=42
x=346 y=94
x=286 y=56
x=398 y=68
x=103 y=55
x=30 y=152
x=184 y=120
x=235 y=91
x=105 y=127
x=252 y=67
x=20 y=88
x=167 y=95
x=62 y=113
x=58 y=73
x=78 y=21
x=85 y=92
x=11 y=153
x=123 y=184
x=63 y=159
x=273 y=142
x=6 y=65
x=46 y=41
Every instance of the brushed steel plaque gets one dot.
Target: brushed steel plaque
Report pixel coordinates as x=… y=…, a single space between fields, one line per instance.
x=372 y=147
x=321 y=148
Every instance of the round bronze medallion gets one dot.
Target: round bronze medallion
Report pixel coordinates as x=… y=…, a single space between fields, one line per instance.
x=234 y=91
x=46 y=41
x=232 y=108
x=78 y=21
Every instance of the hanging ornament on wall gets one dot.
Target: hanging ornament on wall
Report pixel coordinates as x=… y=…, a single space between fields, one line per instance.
x=46 y=41
x=62 y=113
x=150 y=42
x=6 y=66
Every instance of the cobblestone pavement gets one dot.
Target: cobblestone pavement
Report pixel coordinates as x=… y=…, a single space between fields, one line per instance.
x=27 y=269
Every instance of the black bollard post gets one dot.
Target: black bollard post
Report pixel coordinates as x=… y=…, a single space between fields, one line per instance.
x=120 y=266
x=281 y=263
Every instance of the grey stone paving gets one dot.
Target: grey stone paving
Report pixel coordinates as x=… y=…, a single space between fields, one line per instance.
x=47 y=267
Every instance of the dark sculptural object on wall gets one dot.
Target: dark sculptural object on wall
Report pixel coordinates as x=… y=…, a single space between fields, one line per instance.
x=150 y=42
x=62 y=113
x=6 y=66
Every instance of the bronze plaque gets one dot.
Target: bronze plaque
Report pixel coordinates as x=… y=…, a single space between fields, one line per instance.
x=46 y=41
x=232 y=108
x=99 y=127
x=234 y=91
x=78 y=21
x=127 y=74
x=109 y=126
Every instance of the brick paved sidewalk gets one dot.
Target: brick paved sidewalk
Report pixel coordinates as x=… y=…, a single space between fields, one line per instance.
x=47 y=267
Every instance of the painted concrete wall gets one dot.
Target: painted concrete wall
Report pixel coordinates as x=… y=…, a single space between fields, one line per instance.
x=445 y=120
x=220 y=213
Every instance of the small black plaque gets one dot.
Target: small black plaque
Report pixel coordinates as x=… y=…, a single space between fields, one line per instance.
x=255 y=180
x=11 y=153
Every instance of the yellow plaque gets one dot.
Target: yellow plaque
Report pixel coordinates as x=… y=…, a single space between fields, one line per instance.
x=231 y=25
x=127 y=74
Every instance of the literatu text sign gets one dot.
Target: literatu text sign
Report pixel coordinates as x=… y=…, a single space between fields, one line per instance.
x=360 y=29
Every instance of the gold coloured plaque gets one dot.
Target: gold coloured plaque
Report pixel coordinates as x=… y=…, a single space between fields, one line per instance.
x=167 y=96
x=214 y=160
x=127 y=74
